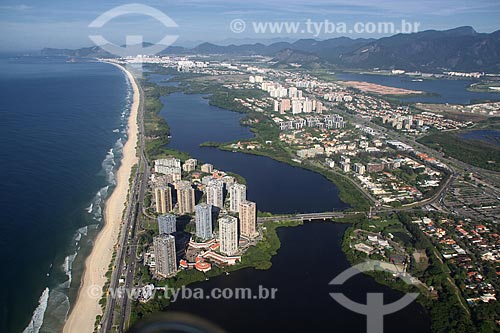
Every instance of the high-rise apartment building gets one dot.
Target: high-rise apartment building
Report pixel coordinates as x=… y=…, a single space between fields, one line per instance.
x=207 y=168
x=215 y=193
x=163 y=199
x=203 y=219
x=284 y=105
x=165 y=255
x=169 y=166
x=237 y=194
x=228 y=235
x=296 y=107
x=189 y=165
x=248 y=219
x=185 y=199
x=167 y=224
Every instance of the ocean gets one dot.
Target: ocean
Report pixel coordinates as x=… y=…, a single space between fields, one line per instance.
x=62 y=127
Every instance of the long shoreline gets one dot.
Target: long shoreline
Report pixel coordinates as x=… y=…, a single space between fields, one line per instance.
x=86 y=308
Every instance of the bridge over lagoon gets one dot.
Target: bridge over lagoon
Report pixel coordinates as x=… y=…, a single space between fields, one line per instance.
x=307 y=216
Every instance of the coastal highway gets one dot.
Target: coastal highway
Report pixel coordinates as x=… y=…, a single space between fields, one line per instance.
x=116 y=313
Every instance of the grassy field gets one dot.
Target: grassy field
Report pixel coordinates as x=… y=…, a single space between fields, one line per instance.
x=474 y=152
x=485 y=87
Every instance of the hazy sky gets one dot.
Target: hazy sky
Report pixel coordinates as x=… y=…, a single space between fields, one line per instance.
x=32 y=25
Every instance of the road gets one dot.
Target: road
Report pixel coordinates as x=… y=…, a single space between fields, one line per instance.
x=128 y=241
x=117 y=312
x=438 y=196
x=492 y=177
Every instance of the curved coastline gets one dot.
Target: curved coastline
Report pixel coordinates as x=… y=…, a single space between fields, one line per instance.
x=86 y=307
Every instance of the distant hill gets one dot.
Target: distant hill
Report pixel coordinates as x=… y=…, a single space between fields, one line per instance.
x=459 y=49
x=86 y=52
x=456 y=49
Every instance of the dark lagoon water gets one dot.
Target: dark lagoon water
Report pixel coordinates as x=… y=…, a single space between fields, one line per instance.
x=61 y=131
x=162 y=79
x=276 y=187
x=488 y=136
x=448 y=91
x=310 y=255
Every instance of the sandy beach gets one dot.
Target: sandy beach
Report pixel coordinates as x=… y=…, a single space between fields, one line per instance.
x=83 y=314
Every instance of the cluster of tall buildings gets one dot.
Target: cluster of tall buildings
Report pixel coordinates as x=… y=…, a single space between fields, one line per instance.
x=237 y=220
x=185 y=198
x=403 y=122
x=298 y=105
x=338 y=97
x=255 y=79
x=230 y=227
x=306 y=105
x=291 y=98
x=333 y=121
x=345 y=163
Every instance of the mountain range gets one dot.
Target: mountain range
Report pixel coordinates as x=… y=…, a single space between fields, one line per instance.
x=458 y=49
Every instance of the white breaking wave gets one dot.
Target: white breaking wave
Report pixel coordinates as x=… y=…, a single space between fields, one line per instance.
x=95 y=207
x=118 y=145
x=56 y=299
x=67 y=266
x=89 y=208
x=57 y=311
x=37 y=319
x=109 y=164
x=83 y=230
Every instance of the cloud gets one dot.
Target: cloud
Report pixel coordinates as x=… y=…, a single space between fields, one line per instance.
x=21 y=7
x=360 y=7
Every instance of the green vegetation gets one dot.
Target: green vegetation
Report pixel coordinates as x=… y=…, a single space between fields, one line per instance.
x=266 y=132
x=445 y=306
x=239 y=179
x=474 y=152
x=348 y=193
x=156 y=129
x=448 y=310
x=485 y=86
x=267 y=137
x=225 y=98
x=260 y=255
x=211 y=144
